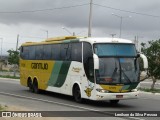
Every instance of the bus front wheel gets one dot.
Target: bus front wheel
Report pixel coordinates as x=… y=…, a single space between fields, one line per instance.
x=77 y=94
x=114 y=102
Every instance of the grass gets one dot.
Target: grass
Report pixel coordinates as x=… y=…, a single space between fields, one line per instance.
x=3 y=108
x=150 y=90
x=8 y=76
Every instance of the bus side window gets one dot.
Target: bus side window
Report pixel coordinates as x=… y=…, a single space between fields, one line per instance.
x=47 y=52
x=88 y=61
x=31 y=50
x=39 y=52
x=21 y=53
x=55 y=51
x=76 y=52
x=90 y=67
x=65 y=51
x=26 y=53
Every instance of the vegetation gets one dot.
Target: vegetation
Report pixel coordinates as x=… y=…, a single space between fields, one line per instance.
x=13 y=59
x=150 y=90
x=3 y=108
x=152 y=51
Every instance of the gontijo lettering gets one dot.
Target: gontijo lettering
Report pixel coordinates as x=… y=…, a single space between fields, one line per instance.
x=43 y=66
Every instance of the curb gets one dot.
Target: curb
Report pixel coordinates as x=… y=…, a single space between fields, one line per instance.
x=1 y=78
x=149 y=93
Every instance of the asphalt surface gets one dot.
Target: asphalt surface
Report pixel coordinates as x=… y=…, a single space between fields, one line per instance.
x=12 y=93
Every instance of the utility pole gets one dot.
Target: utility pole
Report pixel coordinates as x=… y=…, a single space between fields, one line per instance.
x=90 y=19
x=1 y=46
x=17 y=42
x=47 y=33
x=121 y=18
x=136 y=41
x=73 y=34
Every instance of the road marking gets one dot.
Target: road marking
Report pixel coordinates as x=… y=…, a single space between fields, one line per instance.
x=64 y=104
x=43 y=100
x=59 y=103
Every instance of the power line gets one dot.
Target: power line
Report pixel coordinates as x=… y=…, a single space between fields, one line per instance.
x=149 y=15
x=42 y=10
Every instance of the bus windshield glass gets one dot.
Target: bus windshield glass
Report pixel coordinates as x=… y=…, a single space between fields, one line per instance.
x=115 y=49
x=117 y=64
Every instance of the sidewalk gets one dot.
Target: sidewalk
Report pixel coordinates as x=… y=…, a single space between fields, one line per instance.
x=9 y=73
x=150 y=81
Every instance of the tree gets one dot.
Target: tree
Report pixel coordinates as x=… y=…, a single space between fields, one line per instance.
x=13 y=59
x=153 y=54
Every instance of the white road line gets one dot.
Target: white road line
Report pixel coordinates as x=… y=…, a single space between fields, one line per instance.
x=64 y=104
x=43 y=100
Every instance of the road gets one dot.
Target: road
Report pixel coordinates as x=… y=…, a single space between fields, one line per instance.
x=12 y=93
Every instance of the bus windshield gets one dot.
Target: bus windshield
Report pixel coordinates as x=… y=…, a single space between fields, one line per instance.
x=117 y=64
x=115 y=49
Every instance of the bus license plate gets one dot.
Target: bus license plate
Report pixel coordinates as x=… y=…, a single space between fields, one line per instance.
x=119 y=96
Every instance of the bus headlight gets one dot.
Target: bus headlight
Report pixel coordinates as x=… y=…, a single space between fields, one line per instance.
x=102 y=90
x=134 y=90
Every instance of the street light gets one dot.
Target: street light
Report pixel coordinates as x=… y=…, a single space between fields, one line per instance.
x=68 y=31
x=46 y=33
x=113 y=35
x=90 y=19
x=121 y=18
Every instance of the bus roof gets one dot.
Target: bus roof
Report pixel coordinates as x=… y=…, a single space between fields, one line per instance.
x=106 y=40
x=91 y=40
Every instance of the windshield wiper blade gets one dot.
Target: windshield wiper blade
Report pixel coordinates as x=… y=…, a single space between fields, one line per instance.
x=126 y=76
x=115 y=70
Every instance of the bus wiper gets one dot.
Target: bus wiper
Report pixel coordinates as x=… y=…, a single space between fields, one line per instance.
x=126 y=76
x=115 y=70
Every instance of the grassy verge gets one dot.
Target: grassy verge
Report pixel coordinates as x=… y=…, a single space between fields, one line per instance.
x=3 y=108
x=149 y=90
x=8 y=76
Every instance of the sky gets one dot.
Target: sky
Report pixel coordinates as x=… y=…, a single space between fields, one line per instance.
x=33 y=19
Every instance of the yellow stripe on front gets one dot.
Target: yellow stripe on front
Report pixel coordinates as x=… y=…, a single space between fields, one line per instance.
x=113 y=88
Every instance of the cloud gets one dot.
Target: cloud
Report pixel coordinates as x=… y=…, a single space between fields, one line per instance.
x=76 y=18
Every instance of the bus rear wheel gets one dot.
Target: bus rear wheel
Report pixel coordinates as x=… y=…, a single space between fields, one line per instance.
x=30 y=85
x=77 y=94
x=35 y=86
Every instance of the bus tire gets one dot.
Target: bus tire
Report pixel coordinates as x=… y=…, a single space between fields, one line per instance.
x=114 y=102
x=35 y=86
x=77 y=94
x=30 y=85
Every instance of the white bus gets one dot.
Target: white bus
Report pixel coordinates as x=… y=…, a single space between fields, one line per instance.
x=85 y=68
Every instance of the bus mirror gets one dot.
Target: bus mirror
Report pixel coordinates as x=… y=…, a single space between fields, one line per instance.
x=145 y=61
x=96 y=61
x=144 y=74
x=138 y=55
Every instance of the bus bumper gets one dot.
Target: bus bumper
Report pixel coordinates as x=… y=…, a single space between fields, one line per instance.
x=116 y=96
